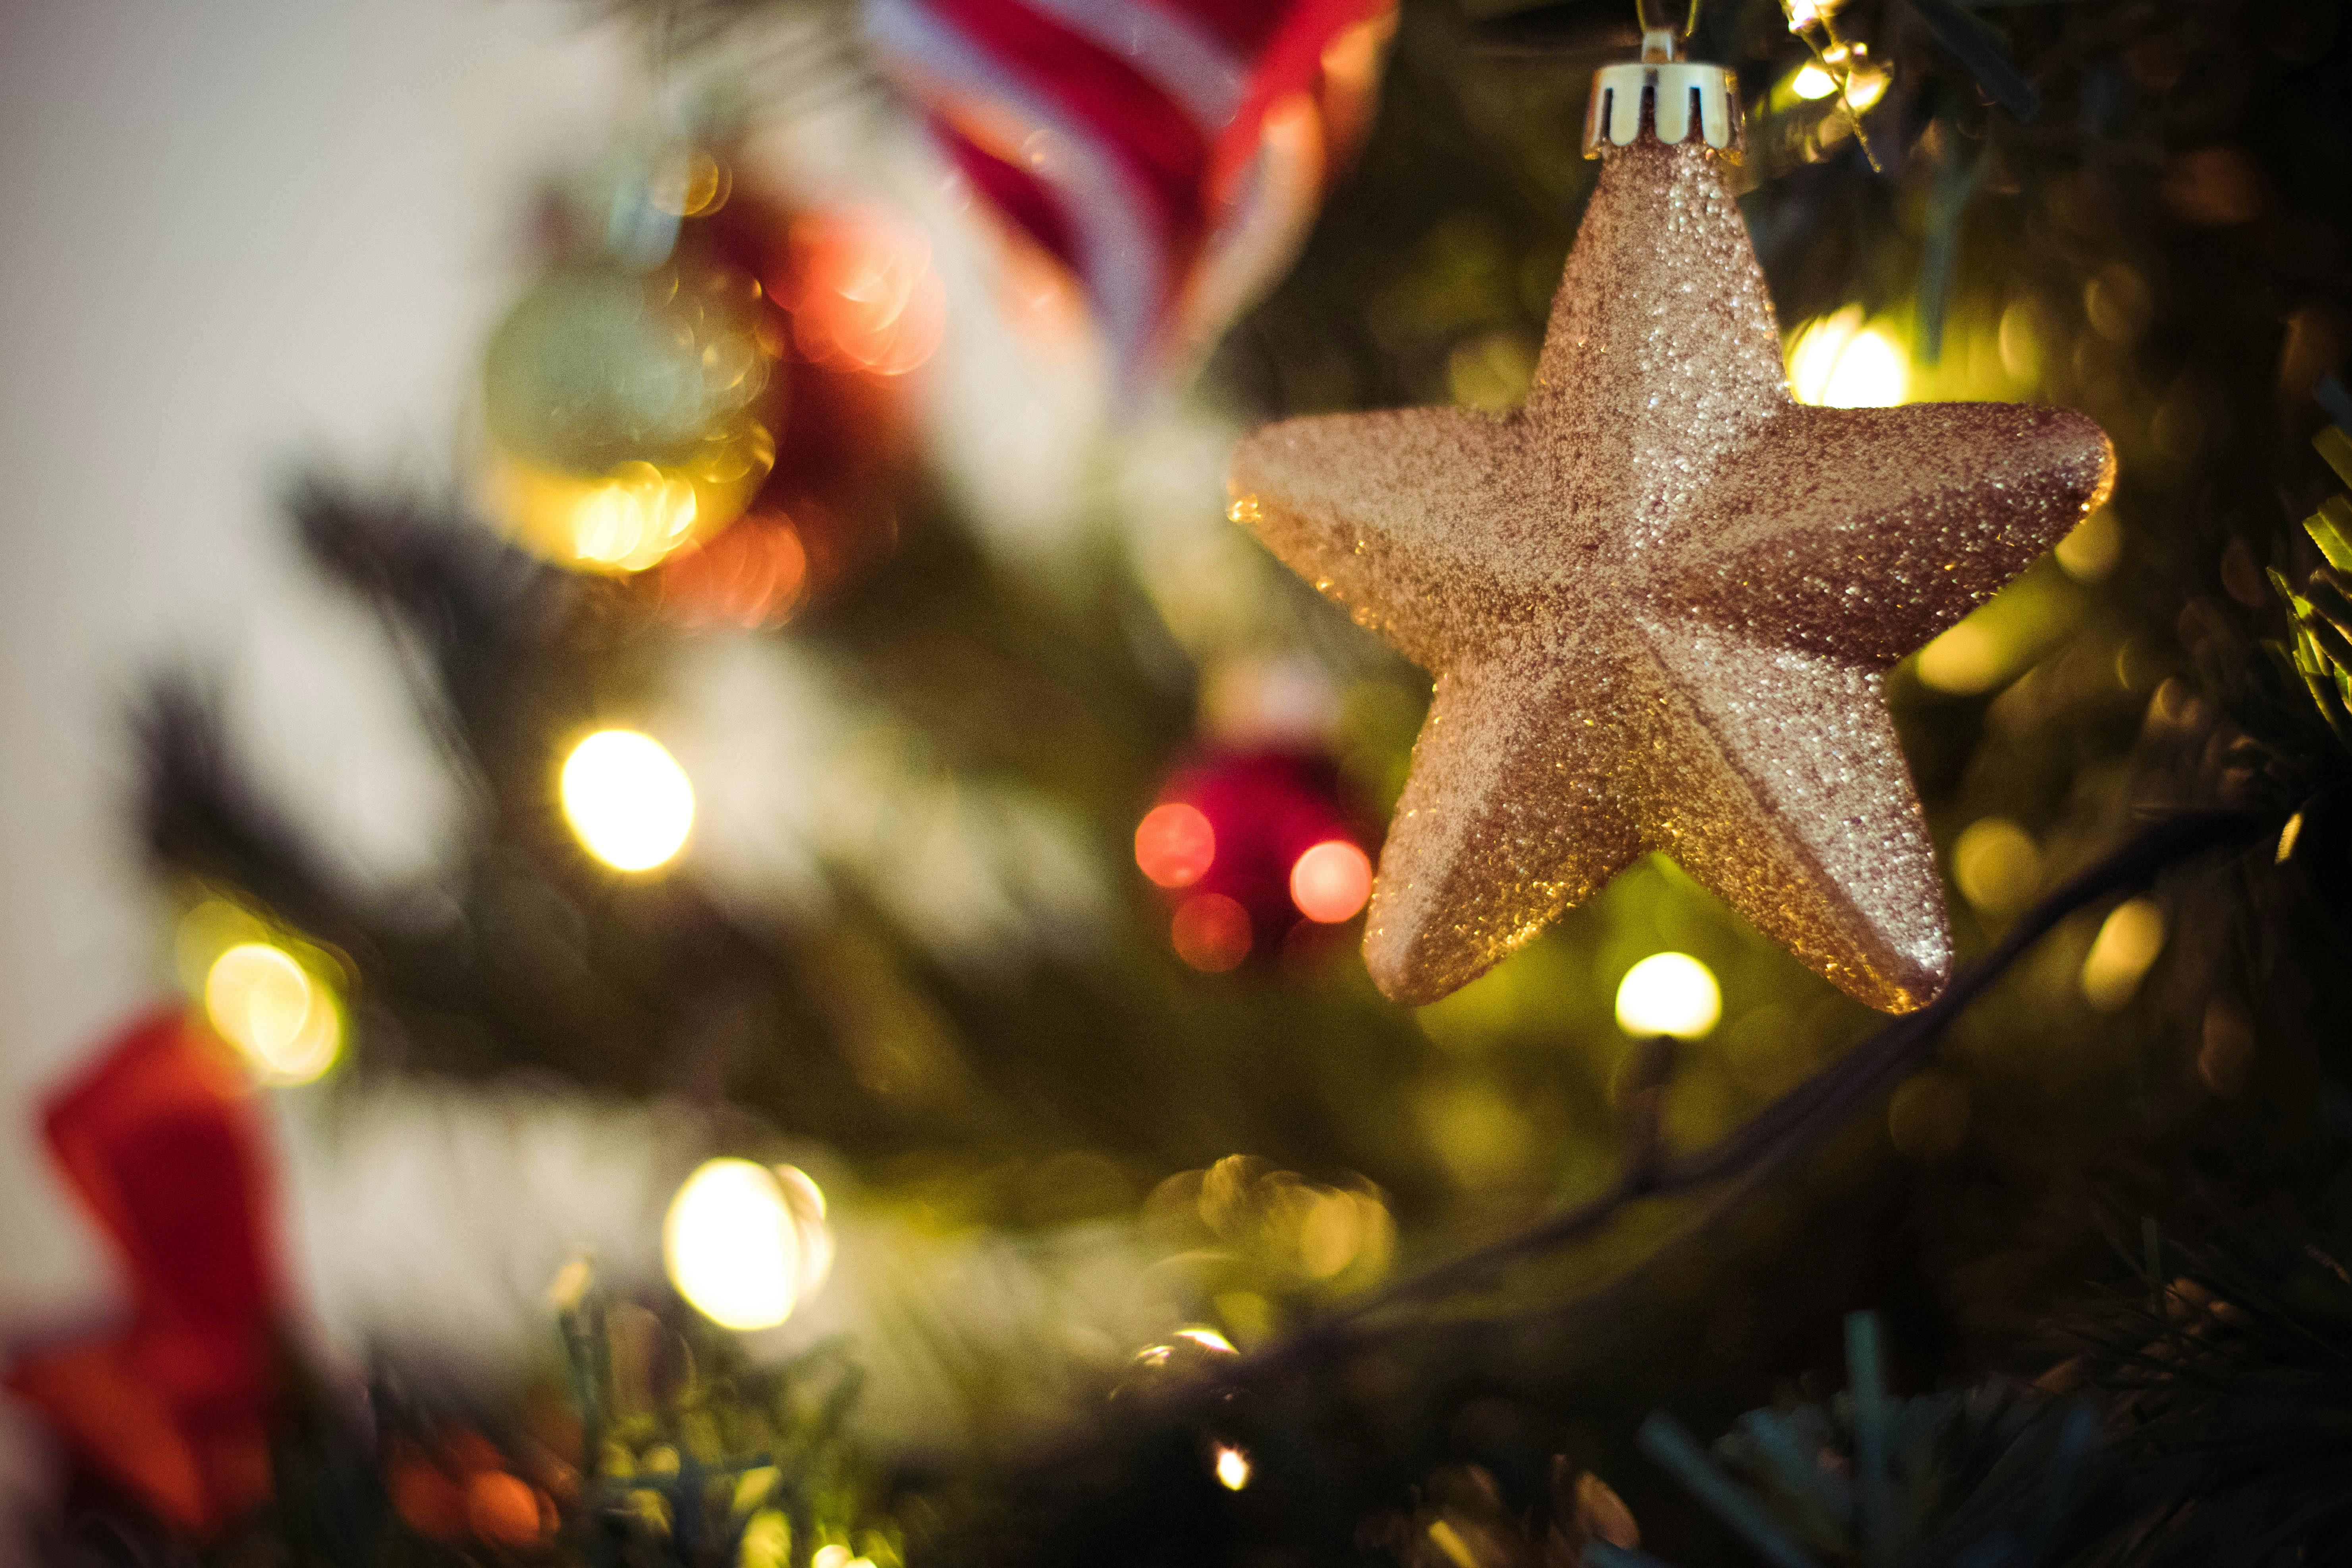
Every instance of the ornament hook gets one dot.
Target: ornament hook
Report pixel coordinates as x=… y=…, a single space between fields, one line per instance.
x=1662 y=34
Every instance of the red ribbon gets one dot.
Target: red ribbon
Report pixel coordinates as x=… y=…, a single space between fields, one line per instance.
x=160 y=1141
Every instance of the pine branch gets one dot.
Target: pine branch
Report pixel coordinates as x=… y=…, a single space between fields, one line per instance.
x=1799 y=1121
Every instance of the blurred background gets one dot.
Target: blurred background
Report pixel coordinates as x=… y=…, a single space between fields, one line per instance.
x=676 y=895
x=234 y=235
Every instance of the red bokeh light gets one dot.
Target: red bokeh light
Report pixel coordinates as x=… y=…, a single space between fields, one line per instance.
x=1210 y=932
x=1330 y=882
x=752 y=576
x=1175 y=845
x=862 y=293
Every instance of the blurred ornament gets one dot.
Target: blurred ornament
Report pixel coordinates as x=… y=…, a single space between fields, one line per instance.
x=1685 y=653
x=1253 y=843
x=158 y=1143
x=1170 y=154
x=627 y=413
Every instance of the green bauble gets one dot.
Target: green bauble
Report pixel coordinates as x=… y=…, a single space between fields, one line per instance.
x=599 y=367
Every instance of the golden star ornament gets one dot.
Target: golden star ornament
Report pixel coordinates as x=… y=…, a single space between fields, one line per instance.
x=1660 y=602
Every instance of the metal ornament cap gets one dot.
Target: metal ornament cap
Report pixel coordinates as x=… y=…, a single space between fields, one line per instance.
x=1674 y=97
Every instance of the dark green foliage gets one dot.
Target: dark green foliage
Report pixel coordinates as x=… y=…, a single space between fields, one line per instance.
x=2226 y=1363
x=1984 y=1478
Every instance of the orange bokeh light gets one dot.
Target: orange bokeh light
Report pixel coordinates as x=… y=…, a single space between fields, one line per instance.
x=752 y=576
x=1175 y=845
x=862 y=294
x=1330 y=882
x=1210 y=932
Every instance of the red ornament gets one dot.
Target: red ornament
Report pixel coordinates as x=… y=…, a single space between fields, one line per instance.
x=159 y=1142
x=1254 y=845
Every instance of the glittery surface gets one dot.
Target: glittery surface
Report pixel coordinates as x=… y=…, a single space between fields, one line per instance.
x=1659 y=602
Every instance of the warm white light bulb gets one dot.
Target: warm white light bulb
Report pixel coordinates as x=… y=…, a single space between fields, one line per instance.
x=1837 y=362
x=1232 y=1468
x=1668 y=993
x=627 y=799
x=283 y=1020
x=1872 y=372
x=731 y=1247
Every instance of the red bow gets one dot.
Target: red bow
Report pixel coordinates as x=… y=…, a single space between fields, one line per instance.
x=161 y=1142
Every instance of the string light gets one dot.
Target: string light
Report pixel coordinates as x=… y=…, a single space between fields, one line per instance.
x=744 y=1243
x=1331 y=881
x=1175 y=845
x=1997 y=865
x=1212 y=933
x=2127 y=943
x=1233 y=1466
x=627 y=799
x=280 y=1017
x=1668 y=993
x=1837 y=362
x=1812 y=82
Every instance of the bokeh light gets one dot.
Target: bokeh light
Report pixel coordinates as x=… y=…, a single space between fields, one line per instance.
x=862 y=294
x=2092 y=550
x=1174 y=845
x=1232 y=1466
x=744 y=1243
x=1668 y=993
x=692 y=184
x=1330 y=882
x=2127 y=943
x=1210 y=932
x=1967 y=659
x=637 y=515
x=504 y=1509
x=1997 y=865
x=627 y=799
x=1837 y=362
x=281 y=1017
x=1812 y=82
x=752 y=576
x=1864 y=87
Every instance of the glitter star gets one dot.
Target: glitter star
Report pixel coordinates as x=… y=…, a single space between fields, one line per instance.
x=1659 y=602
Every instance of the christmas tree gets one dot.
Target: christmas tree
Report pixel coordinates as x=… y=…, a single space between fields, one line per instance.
x=897 y=792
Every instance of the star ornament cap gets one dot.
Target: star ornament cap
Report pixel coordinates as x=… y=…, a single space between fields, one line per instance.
x=1660 y=601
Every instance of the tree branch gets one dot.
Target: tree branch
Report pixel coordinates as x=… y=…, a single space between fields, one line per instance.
x=1798 y=1121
